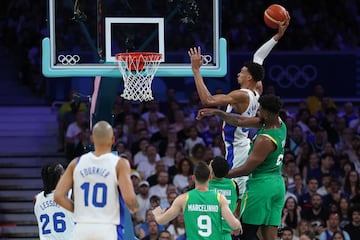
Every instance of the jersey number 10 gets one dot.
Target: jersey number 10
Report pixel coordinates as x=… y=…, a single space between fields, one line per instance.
x=96 y=193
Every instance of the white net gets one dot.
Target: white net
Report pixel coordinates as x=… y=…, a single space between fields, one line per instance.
x=138 y=70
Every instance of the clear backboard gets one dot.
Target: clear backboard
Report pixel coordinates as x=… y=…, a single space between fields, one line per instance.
x=85 y=36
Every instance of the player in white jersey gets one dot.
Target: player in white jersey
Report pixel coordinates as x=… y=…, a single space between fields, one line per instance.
x=54 y=222
x=97 y=177
x=243 y=101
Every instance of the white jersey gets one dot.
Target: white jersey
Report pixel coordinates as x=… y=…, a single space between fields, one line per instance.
x=54 y=222
x=238 y=136
x=97 y=198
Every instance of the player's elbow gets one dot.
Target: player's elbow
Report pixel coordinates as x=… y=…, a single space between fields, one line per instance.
x=208 y=101
x=58 y=198
x=131 y=202
x=160 y=220
x=247 y=172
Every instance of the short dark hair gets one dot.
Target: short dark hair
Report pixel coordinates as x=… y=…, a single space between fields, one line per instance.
x=256 y=70
x=50 y=175
x=325 y=155
x=220 y=167
x=154 y=198
x=286 y=228
x=201 y=172
x=354 y=208
x=289 y=152
x=312 y=178
x=270 y=103
x=326 y=175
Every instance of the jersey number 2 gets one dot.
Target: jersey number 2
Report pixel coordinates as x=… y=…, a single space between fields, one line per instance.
x=58 y=222
x=98 y=192
x=279 y=159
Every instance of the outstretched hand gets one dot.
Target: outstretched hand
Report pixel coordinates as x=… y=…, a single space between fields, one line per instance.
x=196 y=58
x=282 y=27
x=205 y=112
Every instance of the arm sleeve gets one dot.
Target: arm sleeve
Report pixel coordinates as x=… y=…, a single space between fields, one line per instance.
x=263 y=51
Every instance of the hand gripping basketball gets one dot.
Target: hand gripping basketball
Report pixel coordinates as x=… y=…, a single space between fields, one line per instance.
x=275 y=15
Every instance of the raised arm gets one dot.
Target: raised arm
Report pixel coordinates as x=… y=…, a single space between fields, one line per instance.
x=63 y=187
x=266 y=48
x=207 y=99
x=231 y=118
x=125 y=184
x=162 y=217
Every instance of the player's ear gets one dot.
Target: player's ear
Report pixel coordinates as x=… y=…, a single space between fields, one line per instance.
x=92 y=138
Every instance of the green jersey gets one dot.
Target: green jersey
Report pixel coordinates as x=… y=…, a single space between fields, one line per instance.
x=202 y=215
x=273 y=162
x=227 y=188
x=263 y=200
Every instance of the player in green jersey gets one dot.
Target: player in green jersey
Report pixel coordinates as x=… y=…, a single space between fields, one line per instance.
x=225 y=186
x=264 y=197
x=203 y=209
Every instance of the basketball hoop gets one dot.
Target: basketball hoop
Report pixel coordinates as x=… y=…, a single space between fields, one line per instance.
x=138 y=70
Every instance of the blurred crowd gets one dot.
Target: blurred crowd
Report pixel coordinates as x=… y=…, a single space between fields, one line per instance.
x=163 y=141
x=22 y=27
x=315 y=26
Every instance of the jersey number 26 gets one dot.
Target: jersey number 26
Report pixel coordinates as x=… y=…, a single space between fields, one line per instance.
x=58 y=223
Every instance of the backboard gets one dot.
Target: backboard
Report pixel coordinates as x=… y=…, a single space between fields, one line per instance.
x=85 y=36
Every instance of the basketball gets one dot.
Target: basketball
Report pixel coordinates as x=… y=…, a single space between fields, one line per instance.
x=274 y=15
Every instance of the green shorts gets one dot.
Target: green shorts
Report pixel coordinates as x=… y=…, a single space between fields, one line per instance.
x=263 y=201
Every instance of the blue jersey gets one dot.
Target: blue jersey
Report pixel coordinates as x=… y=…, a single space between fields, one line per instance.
x=237 y=137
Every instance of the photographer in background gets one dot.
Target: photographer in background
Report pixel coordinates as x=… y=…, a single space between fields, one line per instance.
x=75 y=134
x=67 y=115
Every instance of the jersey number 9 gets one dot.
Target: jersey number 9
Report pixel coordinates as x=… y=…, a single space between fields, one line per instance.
x=204 y=224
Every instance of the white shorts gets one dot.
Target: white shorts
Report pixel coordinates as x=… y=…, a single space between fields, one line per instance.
x=95 y=231
x=241 y=154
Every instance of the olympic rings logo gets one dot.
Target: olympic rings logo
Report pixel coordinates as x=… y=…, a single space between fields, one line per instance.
x=68 y=59
x=300 y=77
x=206 y=59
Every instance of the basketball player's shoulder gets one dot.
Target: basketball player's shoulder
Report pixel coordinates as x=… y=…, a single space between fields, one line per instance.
x=38 y=197
x=241 y=92
x=122 y=163
x=239 y=96
x=250 y=93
